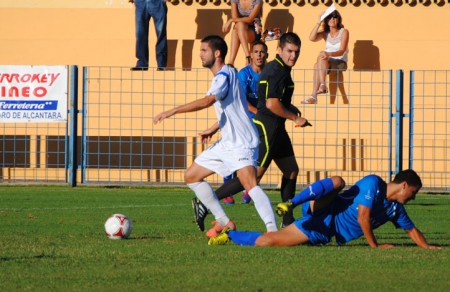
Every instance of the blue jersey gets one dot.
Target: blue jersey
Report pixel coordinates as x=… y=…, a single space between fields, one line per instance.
x=249 y=80
x=370 y=192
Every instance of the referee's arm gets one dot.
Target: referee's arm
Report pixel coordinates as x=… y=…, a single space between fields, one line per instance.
x=276 y=107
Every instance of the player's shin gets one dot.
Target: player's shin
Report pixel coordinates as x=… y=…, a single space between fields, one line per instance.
x=264 y=208
x=243 y=237
x=230 y=188
x=287 y=193
x=204 y=192
x=315 y=191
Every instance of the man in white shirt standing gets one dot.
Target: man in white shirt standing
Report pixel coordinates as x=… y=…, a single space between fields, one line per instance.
x=237 y=150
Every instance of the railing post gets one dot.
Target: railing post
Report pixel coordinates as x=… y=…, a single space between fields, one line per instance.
x=390 y=172
x=399 y=122
x=83 y=126
x=411 y=120
x=73 y=126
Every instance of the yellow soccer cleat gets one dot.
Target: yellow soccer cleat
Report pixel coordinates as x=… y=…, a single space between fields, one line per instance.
x=283 y=208
x=220 y=239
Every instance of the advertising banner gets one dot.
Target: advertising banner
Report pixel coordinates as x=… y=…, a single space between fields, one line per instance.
x=33 y=94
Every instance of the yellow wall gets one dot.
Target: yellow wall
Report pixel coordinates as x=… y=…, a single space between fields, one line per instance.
x=101 y=32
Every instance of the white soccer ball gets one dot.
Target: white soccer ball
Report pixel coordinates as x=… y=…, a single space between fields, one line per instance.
x=118 y=226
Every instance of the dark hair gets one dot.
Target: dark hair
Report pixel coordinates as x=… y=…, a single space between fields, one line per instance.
x=339 y=18
x=215 y=42
x=259 y=42
x=291 y=38
x=409 y=176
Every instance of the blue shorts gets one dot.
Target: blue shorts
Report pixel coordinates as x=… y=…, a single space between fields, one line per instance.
x=317 y=227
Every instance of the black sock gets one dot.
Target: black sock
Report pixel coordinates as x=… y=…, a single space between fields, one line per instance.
x=230 y=188
x=287 y=193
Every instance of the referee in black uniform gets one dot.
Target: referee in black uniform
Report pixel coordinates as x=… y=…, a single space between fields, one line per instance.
x=274 y=107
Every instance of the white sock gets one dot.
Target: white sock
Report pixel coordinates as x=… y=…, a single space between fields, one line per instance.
x=264 y=208
x=206 y=195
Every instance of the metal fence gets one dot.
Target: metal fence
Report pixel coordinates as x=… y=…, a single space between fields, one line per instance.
x=429 y=140
x=369 y=122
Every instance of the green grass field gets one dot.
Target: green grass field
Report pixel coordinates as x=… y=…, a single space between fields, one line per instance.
x=52 y=238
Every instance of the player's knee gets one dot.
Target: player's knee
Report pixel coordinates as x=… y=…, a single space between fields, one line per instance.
x=264 y=240
x=189 y=177
x=338 y=182
x=290 y=170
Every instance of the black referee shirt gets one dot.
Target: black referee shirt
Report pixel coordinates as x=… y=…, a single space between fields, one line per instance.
x=275 y=82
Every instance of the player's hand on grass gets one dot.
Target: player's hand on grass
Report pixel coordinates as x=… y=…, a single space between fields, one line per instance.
x=434 y=247
x=385 y=246
x=283 y=208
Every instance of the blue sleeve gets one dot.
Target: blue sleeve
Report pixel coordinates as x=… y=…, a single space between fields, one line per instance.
x=243 y=77
x=402 y=219
x=368 y=190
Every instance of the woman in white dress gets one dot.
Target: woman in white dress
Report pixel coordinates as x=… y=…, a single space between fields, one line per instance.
x=335 y=55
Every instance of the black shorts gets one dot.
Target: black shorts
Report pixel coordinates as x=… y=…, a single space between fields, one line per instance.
x=274 y=143
x=336 y=64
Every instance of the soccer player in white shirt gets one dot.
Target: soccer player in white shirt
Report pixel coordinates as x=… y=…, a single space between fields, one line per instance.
x=237 y=150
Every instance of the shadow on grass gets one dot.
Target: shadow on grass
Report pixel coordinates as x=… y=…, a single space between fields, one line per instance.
x=423 y=204
x=145 y=238
x=37 y=257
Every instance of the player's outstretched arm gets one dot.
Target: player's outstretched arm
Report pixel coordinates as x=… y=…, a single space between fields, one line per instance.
x=417 y=236
x=196 y=105
x=366 y=226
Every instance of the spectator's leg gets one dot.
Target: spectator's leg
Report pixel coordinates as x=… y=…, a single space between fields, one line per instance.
x=341 y=86
x=142 y=19
x=322 y=65
x=246 y=36
x=316 y=80
x=333 y=85
x=160 y=21
x=234 y=45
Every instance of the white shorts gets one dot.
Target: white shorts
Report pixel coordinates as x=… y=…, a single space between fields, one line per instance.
x=225 y=161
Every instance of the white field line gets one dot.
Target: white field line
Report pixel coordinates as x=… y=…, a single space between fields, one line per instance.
x=94 y=208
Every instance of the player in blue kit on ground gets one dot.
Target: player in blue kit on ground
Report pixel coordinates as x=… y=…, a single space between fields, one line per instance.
x=328 y=212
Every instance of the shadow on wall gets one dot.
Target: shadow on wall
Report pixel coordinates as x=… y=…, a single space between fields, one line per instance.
x=172 y=49
x=210 y=21
x=281 y=18
x=366 y=56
